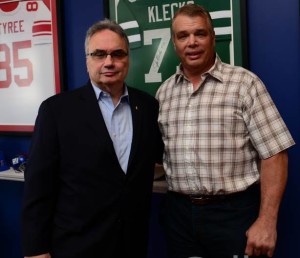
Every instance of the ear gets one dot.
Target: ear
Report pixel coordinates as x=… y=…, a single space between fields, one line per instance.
x=173 y=42
x=213 y=35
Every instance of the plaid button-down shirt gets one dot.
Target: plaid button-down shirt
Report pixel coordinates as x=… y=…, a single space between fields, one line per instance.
x=215 y=136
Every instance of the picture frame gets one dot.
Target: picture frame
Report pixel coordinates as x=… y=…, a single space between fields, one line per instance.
x=148 y=26
x=30 y=60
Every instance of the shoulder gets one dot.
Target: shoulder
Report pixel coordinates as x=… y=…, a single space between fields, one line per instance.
x=238 y=79
x=236 y=73
x=69 y=96
x=143 y=101
x=139 y=95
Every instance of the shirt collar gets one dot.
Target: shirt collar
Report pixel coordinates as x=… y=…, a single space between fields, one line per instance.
x=215 y=71
x=100 y=93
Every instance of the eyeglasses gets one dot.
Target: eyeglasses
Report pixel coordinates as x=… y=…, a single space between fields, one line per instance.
x=101 y=55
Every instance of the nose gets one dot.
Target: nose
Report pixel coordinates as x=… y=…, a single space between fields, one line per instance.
x=108 y=60
x=192 y=40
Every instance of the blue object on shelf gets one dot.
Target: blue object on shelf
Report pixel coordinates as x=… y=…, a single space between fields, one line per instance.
x=3 y=163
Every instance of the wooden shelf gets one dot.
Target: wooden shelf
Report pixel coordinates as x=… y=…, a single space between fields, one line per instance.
x=159 y=184
x=11 y=175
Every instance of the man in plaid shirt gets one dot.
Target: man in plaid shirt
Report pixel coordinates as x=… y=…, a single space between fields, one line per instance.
x=225 y=150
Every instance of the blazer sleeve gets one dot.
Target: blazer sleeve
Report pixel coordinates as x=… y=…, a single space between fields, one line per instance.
x=40 y=185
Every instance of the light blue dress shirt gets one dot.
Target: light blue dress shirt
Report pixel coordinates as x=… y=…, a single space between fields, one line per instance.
x=118 y=121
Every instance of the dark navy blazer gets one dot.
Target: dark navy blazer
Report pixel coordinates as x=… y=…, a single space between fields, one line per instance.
x=77 y=200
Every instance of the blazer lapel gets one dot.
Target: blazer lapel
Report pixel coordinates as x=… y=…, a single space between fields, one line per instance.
x=96 y=121
x=136 y=123
x=94 y=117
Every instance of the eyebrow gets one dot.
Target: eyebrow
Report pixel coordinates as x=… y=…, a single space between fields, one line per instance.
x=99 y=49
x=195 y=31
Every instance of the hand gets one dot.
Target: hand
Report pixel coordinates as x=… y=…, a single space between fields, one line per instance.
x=39 y=256
x=261 y=238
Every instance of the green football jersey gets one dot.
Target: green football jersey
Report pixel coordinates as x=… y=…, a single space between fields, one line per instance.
x=148 y=26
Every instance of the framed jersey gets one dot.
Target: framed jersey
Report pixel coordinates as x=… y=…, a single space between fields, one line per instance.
x=147 y=24
x=29 y=60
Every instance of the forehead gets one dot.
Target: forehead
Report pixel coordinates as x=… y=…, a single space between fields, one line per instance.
x=106 y=39
x=187 y=23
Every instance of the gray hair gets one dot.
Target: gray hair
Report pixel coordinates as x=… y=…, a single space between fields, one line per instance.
x=194 y=10
x=105 y=24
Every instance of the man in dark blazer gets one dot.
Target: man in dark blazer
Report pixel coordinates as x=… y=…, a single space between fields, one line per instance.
x=88 y=180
